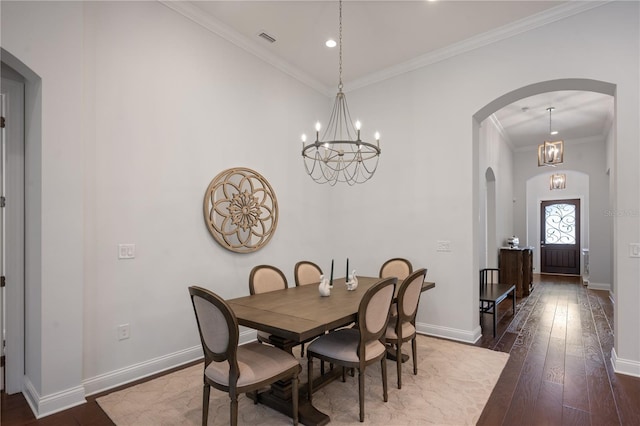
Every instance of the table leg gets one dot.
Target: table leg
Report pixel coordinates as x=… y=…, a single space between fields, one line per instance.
x=391 y=355
x=307 y=413
x=278 y=396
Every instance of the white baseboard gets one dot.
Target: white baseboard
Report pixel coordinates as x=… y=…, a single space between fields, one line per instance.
x=144 y=369
x=141 y=370
x=599 y=286
x=449 y=333
x=43 y=406
x=624 y=366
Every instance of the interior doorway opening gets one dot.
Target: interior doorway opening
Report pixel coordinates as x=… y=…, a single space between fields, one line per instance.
x=482 y=206
x=12 y=229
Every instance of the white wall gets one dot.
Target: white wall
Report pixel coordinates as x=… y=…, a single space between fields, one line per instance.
x=429 y=110
x=54 y=201
x=166 y=123
x=495 y=152
x=142 y=108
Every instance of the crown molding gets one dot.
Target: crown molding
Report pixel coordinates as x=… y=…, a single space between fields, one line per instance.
x=523 y=25
x=215 y=26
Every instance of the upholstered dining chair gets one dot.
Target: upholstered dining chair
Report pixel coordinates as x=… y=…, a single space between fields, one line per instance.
x=397 y=267
x=402 y=327
x=236 y=369
x=358 y=347
x=262 y=279
x=306 y=272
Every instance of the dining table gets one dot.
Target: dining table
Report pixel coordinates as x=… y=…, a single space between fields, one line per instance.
x=295 y=315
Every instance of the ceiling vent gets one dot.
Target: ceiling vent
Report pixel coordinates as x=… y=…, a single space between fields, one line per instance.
x=267 y=37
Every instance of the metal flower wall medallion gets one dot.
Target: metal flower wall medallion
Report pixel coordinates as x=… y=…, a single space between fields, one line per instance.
x=241 y=210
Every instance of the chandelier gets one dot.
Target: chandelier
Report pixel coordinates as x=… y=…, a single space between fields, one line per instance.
x=340 y=155
x=550 y=153
x=558 y=181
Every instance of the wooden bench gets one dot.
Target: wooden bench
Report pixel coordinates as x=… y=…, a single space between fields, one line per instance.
x=492 y=292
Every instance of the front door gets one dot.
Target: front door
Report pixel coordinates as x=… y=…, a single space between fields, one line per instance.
x=560 y=237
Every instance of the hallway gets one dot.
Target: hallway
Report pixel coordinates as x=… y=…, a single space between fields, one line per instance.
x=559 y=372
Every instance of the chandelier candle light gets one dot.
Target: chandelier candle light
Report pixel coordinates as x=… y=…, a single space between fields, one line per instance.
x=340 y=155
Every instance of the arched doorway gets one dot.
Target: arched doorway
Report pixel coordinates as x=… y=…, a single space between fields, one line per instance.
x=583 y=85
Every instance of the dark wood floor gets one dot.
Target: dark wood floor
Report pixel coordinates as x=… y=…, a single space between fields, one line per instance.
x=559 y=372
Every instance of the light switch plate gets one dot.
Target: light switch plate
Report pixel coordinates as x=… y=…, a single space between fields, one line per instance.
x=634 y=250
x=126 y=251
x=443 y=246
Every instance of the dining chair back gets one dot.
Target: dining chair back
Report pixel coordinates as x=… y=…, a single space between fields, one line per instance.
x=402 y=327
x=396 y=267
x=231 y=368
x=489 y=276
x=306 y=272
x=265 y=278
x=359 y=346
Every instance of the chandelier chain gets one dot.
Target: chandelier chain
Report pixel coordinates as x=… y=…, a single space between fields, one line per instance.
x=340 y=50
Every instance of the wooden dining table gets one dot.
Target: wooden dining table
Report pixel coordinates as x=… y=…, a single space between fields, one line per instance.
x=295 y=315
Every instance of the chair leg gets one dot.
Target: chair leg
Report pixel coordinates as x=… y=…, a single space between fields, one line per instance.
x=234 y=409
x=383 y=362
x=309 y=377
x=205 y=403
x=361 y=393
x=399 y=362
x=414 y=350
x=294 y=399
x=302 y=350
x=495 y=320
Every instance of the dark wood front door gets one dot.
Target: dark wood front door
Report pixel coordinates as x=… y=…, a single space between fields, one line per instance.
x=560 y=236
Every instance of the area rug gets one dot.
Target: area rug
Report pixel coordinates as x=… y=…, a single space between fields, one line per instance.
x=453 y=384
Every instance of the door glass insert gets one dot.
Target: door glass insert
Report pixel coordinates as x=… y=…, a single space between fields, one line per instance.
x=560 y=221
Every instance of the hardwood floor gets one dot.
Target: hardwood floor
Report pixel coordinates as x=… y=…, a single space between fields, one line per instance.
x=559 y=372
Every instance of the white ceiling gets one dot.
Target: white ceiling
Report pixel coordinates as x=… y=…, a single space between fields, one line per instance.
x=386 y=38
x=576 y=115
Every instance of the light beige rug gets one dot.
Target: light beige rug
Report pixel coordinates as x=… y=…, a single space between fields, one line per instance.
x=453 y=384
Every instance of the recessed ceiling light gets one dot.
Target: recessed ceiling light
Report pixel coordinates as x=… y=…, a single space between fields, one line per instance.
x=555 y=132
x=330 y=43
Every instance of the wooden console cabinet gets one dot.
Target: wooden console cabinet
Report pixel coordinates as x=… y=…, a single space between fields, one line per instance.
x=516 y=267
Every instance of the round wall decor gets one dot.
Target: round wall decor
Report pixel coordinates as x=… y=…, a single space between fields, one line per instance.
x=241 y=210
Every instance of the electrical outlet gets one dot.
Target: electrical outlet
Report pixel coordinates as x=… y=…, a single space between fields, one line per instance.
x=124 y=332
x=634 y=250
x=126 y=251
